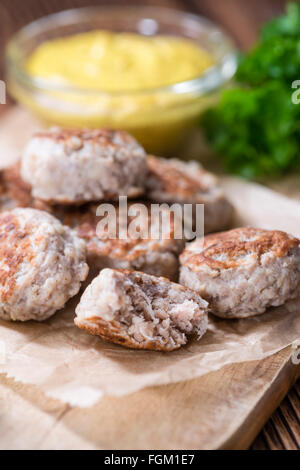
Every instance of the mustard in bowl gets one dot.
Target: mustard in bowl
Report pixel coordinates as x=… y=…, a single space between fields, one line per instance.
x=150 y=71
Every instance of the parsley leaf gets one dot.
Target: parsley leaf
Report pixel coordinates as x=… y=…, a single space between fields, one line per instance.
x=256 y=127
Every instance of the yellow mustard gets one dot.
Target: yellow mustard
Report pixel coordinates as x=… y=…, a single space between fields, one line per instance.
x=127 y=70
x=118 y=61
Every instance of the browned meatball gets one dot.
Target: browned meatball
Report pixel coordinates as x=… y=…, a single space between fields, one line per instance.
x=141 y=311
x=244 y=271
x=76 y=166
x=42 y=265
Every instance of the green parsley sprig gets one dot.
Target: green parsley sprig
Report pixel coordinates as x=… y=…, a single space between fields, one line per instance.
x=256 y=127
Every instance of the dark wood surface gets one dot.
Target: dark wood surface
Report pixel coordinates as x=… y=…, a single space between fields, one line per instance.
x=242 y=19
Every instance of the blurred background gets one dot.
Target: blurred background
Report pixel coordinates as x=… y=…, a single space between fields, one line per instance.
x=241 y=18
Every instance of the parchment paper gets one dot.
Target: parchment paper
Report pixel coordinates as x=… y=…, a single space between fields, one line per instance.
x=79 y=369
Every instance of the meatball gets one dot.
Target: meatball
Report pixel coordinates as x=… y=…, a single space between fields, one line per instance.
x=244 y=271
x=188 y=183
x=75 y=166
x=42 y=265
x=6 y=200
x=16 y=190
x=155 y=254
x=152 y=249
x=17 y=193
x=141 y=311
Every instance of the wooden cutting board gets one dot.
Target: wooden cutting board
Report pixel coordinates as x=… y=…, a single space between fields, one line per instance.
x=222 y=410
x=188 y=415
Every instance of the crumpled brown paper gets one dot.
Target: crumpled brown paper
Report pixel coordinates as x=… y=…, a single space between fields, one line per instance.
x=69 y=365
x=79 y=369
x=74 y=367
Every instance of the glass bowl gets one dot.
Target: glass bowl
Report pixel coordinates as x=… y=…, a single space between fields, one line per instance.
x=160 y=118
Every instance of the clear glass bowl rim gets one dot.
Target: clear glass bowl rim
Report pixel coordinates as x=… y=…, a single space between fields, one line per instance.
x=212 y=79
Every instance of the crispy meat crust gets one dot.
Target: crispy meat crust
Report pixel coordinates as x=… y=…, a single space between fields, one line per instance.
x=15 y=187
x=110 y=332
x=228 y=250
x=19 y=191
x=75 y=138
x=15 y=248
x=175 y=182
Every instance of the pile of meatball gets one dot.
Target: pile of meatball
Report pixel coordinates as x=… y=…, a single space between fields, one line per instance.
x=142 y=292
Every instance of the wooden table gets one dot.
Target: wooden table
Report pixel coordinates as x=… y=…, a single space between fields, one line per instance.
x=242 y=20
